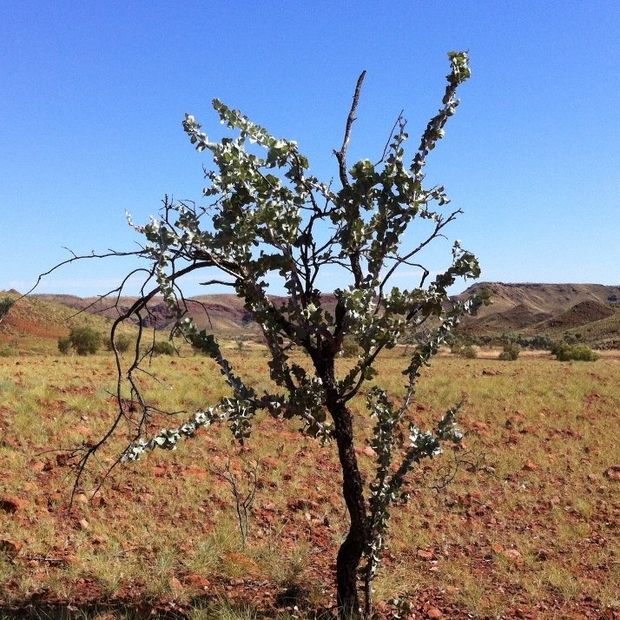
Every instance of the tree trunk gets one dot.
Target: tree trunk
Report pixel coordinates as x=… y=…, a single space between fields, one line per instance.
x=351 y=550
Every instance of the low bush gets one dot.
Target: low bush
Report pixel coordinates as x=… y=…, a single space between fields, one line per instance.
x=163 y=347
x=468 y=352
x=64 y=345
x=85 y=340
x=5 y=306
x=350 y=347
x=565 y=352
x=510 y=352
x=123 y=343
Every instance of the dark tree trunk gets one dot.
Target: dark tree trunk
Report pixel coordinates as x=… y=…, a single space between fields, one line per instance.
x=351 y=550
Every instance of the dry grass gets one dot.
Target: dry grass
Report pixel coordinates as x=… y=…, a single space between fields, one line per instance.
x=527 y=523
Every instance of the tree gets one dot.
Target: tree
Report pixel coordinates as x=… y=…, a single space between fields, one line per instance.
x=85 y=341
x=270 y=218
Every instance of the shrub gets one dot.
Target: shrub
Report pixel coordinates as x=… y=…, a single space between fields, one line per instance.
x=469 y=352
x=565 y=352
x=511 y=352
x=540 y=342
x=85 y=340
x=122 y=342
x=456 y=347
x=64 y=345
x=5 y=306
x=163 y=347
x=350 y=347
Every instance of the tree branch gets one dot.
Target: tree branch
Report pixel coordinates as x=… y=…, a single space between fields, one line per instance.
x=341 y=155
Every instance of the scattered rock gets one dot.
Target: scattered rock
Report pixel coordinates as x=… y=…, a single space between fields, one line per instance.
x=368 y=451
x=515 y=420
x=38 y=466
x=514 y=555
x=10 y=548
x=84 y=524
x=62 y=459
x=423 y=554
x=530 y=466
x=613 y=473
x=434 y=612
x=197 y=581
x=196 y=472
x=480 y=427
x=11 y=504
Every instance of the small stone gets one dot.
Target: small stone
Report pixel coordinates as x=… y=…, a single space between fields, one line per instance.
x=530 y=466
x=514 y=555
x=10 y=548
x=423 y=554
x=433 y=612
x=11 y=504
x=84 y=524
x=197 y=581
x=613 y=473
x=62 y=459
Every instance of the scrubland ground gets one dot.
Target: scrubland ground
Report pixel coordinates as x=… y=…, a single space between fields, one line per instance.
x=519 y=523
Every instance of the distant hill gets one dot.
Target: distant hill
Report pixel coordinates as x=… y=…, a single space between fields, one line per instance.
x=34 y=323
x=591 y=311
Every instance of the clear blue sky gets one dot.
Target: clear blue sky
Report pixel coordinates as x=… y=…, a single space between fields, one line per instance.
x=93 y=94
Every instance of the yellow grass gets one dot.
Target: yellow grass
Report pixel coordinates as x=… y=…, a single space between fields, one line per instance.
x=528 y=520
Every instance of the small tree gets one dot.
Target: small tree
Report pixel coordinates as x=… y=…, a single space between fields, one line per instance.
x=271 y=218
x=85 y=341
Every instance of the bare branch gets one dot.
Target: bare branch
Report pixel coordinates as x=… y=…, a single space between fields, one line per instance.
x=341 y=155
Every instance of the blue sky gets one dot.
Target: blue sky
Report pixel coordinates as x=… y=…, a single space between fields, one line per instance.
x=93 y=94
